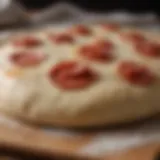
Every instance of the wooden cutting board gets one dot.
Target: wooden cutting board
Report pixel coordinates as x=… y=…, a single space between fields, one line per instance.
x=148 y=152
x=31 y=142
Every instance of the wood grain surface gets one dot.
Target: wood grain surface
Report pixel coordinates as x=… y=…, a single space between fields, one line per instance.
x=31 y=143
x=147 y=152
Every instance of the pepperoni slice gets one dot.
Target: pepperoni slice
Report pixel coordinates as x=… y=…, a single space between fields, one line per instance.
x=71 y=75
x=111 y=27
x=134 y=37
x=104 y=44
x=148 y=49
x=101 y=51
x=135 y=73
x=81 y=30
x=27 y=59
x=62 y=38
x=27 y=42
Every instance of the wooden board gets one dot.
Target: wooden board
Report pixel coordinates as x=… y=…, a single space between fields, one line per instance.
x=33 y=143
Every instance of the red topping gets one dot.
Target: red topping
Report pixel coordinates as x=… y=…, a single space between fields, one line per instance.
x=62 y=38
x=27 y=42
x=27 y=59
x=71 y=75
x=104 y=44
x=100 y=51
x=111 y=27
x=134 y=37
x=82 y=30
x=135 y=74
x=148 y=49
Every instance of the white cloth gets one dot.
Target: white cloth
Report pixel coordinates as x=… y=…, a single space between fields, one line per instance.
x=11 y=12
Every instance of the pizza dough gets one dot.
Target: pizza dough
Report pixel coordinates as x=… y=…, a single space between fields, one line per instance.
x=81 y=76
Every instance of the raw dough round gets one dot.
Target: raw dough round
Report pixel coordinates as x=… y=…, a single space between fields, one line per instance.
x=29 y=92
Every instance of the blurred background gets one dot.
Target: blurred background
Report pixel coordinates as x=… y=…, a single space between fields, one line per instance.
x=100 y=5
